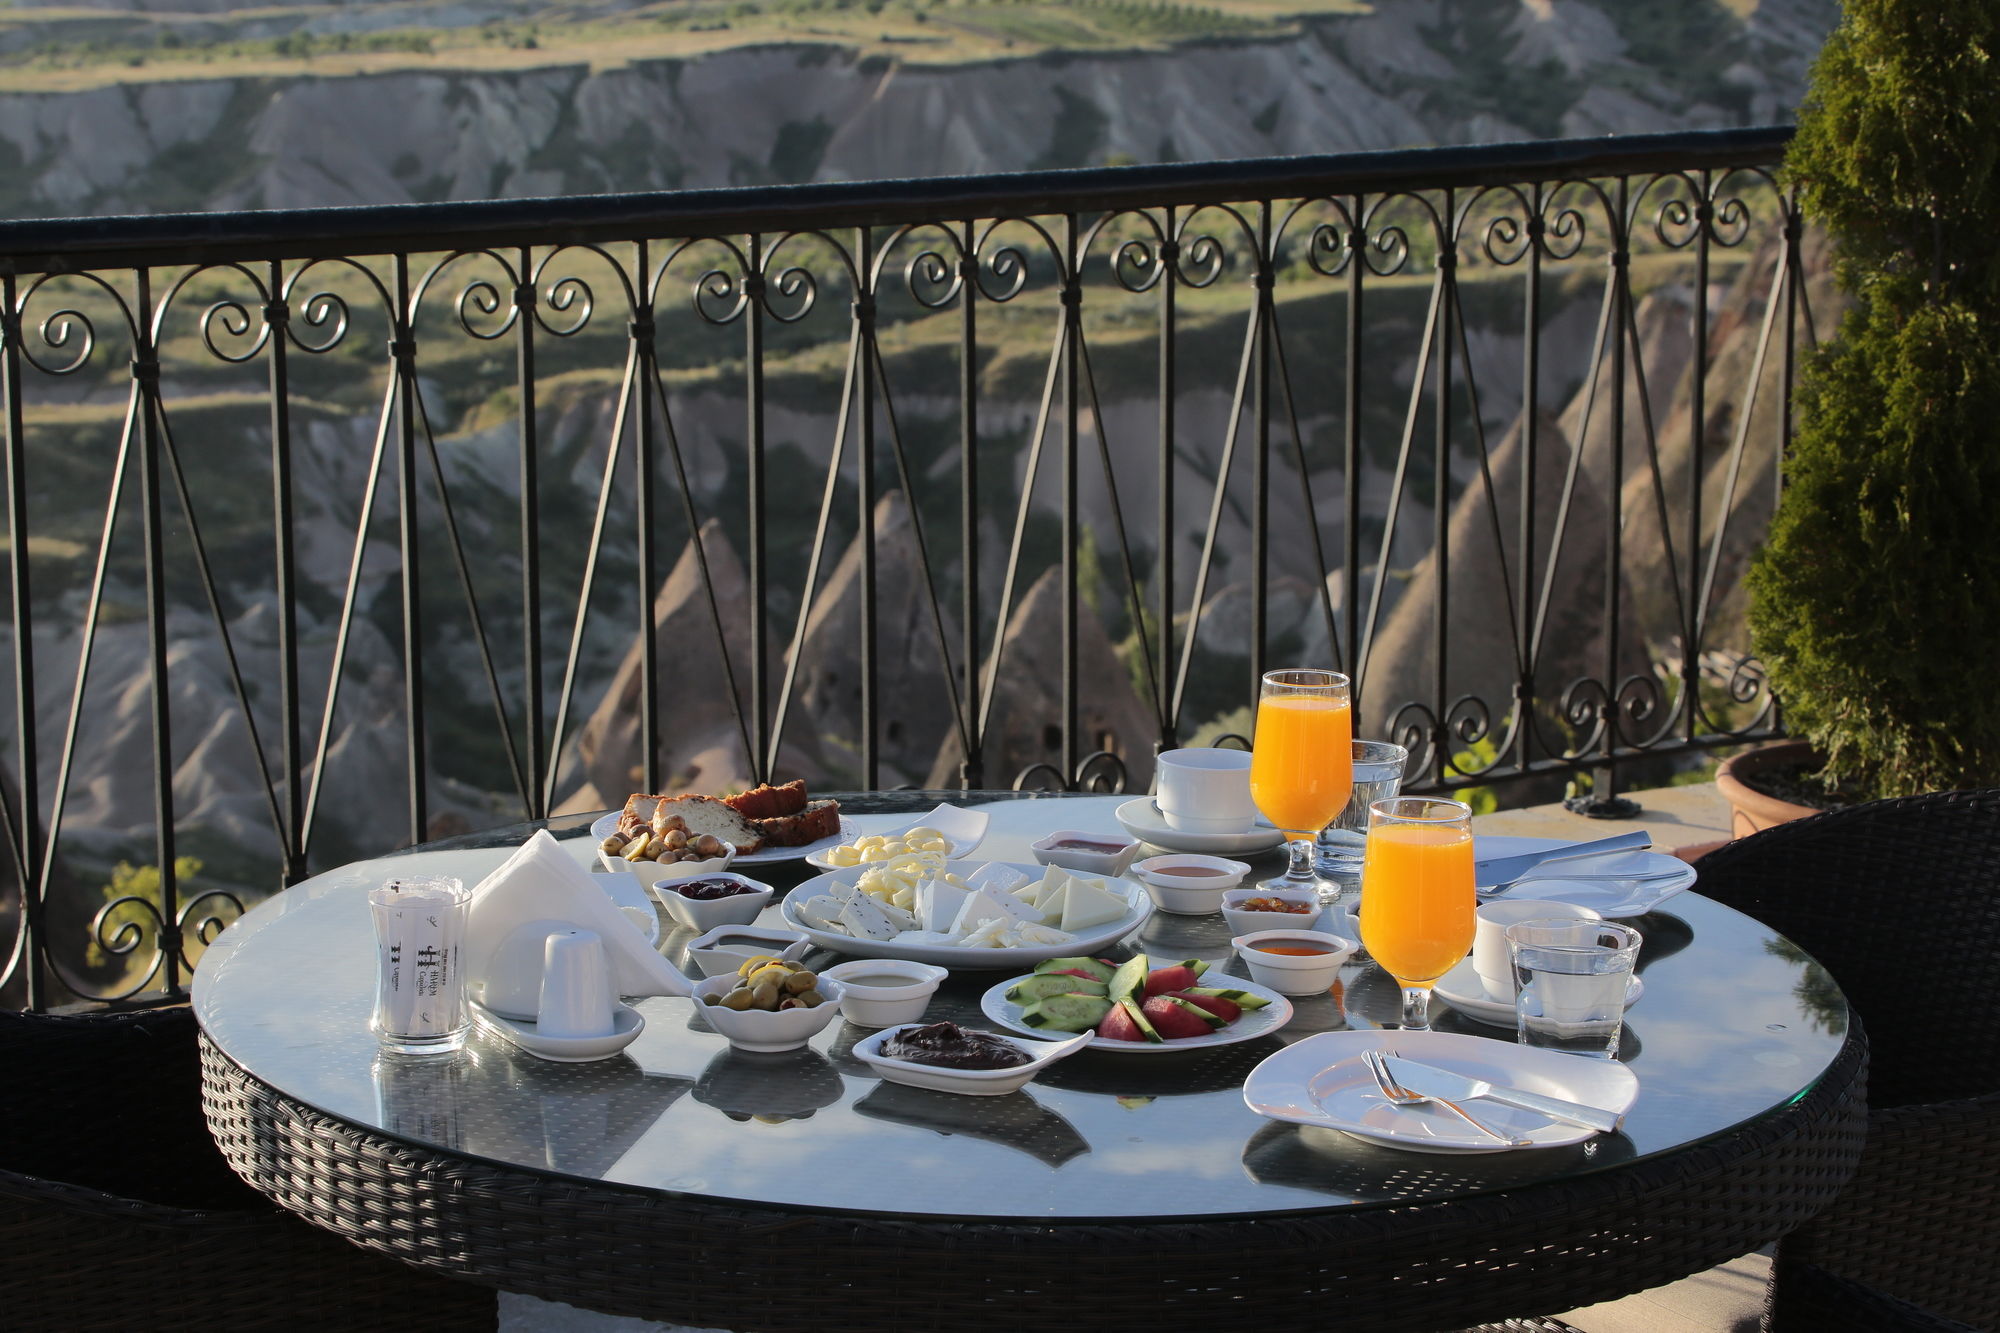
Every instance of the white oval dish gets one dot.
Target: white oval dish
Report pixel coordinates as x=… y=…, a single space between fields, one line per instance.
x=1295 y=974
x=739 y=909
x=1188 y=895
x=885 y=1006
x=1110 y=864
x=952 y=956
x=1253 y=1024
x=607 y=824
x=716 y=954
x=762 y=1030
x=971 y=1082
x=1242 y=922
x=1323 y=1081
x=963 y=829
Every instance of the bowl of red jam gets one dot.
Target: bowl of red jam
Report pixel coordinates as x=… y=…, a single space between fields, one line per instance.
x=717 y=898
x=1087 y=852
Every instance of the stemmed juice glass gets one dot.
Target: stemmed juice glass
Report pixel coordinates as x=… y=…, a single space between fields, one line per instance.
x=1417 y=901
x=1302 y=761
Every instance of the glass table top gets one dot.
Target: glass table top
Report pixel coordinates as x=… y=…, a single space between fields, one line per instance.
x=1734 y=1023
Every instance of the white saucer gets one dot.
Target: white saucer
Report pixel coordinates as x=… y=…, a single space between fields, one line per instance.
x=1616 y=885
x=1143 y=820
x=1461 y=989
x=1323 y=1081
x=626 y=1024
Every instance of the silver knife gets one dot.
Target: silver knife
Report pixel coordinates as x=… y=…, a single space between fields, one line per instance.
x=1434 y=1082
x=1499 y=871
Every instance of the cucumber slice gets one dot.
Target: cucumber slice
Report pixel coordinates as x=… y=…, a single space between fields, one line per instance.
x=1101 y=971
x=1243 y=998
x=1066 y=1012
x=1211 y=1019
x=1145 y=1024
x=1195 y=965
x=1029 y=989
x=1129 y=979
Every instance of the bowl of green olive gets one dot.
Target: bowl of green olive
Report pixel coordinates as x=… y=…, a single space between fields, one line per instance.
x=769 y=1004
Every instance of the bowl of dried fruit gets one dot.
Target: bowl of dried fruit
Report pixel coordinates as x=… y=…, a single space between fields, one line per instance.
x=1248 y=910
x=666 y=850
x=769 y=1004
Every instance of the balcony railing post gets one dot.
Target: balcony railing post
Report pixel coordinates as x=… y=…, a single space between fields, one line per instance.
x=1072 y=317
x=864 y=333
x=1350 y=455
x=525 y=314
x=1447 y=280
x=972 y=769
x=1531 y=435
x=277 y=320
x=146 y=381
x=1262 y=277
x=646 y=372
x=753 y=461
x=1163 y=563
x=403 y=358
x=24 y=835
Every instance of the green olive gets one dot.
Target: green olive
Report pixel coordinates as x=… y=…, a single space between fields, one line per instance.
x=739 y=999
x=711 y=999
x=811 y=999
x=800 y=981
x=763 y=997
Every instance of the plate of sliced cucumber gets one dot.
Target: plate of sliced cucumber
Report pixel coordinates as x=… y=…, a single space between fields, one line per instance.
x=1143 y=1006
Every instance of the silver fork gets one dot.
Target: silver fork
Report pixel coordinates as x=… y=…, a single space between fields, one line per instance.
x=1403 y=1096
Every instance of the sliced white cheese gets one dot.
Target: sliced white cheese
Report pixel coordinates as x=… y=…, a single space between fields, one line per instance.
x=987 y=934
x=938 y=902
x=1051 y=907
x=905 y=899
x=978 y=906
x=1051 y=885
x=996 y=876
x=865 y=921
x=1089 y=904
x=1039 y=935
x=821 y=912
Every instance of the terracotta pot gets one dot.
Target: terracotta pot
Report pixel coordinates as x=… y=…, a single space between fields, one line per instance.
x=1750 y=809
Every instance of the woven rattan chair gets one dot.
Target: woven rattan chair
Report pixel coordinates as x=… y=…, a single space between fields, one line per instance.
x=1901 y=901
x=118 y=1212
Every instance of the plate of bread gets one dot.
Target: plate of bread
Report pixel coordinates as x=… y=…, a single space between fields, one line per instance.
x=764 y=824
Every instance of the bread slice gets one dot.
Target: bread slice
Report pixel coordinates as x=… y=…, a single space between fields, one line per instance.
x=768 y=802
x=702 y=814
x=819 y=819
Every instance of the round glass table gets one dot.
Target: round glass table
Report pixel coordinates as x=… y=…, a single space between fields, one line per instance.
x=687 y=1181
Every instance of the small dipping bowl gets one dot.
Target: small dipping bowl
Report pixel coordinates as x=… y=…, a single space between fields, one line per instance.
x=882 y=993
x=967 y=1082
x=652 y=872
x=721 y=951
x=1242 y=922
x=738 y=909
x=763 y=1030
x=1106 y=854
x=1188 y=884
x=1294 y=973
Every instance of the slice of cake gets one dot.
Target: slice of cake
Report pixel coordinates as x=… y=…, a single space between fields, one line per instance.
x=816 y=820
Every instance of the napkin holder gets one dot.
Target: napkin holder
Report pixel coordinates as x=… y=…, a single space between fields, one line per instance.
x=538 y=891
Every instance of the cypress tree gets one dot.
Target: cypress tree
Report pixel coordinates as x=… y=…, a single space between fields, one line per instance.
x=1876 y=599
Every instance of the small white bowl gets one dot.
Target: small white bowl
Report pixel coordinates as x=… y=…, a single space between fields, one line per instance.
x=1111 y=862
x=721 y=951
x=971 y=1082
x=1294 y=974
x=652 y=872
x=885 y=1006
x=761 y=1030
x=1243 y=923
x=1189 y=895
x=738 y=909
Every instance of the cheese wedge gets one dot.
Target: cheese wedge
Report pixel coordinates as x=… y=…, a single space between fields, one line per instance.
x=1089 y=904
x=864 y=920
x=938 y=902
x=996 y=876
x=1051 y=907
x=898 y=918
x=821 y=912
x=1051 y=884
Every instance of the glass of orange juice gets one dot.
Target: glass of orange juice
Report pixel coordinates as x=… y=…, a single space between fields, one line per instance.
x=1302 y=761
x=1417 y=901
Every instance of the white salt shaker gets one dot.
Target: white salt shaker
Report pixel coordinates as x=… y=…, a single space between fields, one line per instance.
x=576 y=986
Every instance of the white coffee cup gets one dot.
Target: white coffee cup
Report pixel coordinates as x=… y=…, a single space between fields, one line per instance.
x=576 y=986
x=1489 y=939
x=1205 y=790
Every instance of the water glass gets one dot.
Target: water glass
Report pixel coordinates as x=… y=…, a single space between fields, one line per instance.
x=1378 y=775
x=1573 y=976
x=420 y=991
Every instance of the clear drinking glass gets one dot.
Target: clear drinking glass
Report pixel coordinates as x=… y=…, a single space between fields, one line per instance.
x=1573 y=976
x=1417 y=910
x=420 y=992
x=1378 y=775
x=1301 y=761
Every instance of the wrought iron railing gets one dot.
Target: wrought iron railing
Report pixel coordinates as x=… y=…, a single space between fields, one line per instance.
x=1491 y=428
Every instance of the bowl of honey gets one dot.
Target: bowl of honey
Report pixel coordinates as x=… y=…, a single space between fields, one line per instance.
x=1294 y=962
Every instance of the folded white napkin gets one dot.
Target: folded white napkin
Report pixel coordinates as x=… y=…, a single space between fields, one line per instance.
x=538 y=890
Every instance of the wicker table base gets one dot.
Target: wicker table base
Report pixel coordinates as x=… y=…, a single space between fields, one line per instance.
x=1430 y=1266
